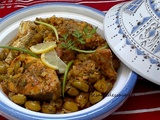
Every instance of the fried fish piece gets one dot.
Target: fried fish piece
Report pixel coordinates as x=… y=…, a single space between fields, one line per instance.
x=26 y=31
x=104 y=59
x=32 y=78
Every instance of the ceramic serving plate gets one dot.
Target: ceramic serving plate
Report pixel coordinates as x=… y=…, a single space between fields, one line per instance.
x=121 y=90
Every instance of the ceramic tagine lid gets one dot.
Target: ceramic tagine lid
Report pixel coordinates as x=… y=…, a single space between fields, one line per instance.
x=132 y=30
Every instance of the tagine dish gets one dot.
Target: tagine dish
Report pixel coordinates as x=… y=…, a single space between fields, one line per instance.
x=57 y=65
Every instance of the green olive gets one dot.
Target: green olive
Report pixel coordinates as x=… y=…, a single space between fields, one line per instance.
x=81 y=85
x=19 y=99
x=72 y=91
x=70 y=106
x=95 y=97
x=82 y=99
x=101 y=86
x=48 y=108
x=33 y=105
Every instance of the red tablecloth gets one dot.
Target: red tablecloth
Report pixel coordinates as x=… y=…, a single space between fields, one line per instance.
x=145 y=100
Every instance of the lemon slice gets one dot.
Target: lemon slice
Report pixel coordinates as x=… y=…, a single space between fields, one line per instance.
x=52 y=60
x=43 y=47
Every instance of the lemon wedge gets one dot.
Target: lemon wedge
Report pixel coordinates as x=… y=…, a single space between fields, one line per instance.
x=52 y=60
x=43 y=47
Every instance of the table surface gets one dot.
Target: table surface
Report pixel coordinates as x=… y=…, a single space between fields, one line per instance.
x=144 y=103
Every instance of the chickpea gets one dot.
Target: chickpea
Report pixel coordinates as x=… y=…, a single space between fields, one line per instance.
x=81 y=85
x=48 y=108
x=33 y=105
x=82 y=99
x=95 y=97
x=70 y=106
x=19 y=99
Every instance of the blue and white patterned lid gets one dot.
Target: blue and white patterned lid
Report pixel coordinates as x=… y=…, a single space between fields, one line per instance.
x=132 y=30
